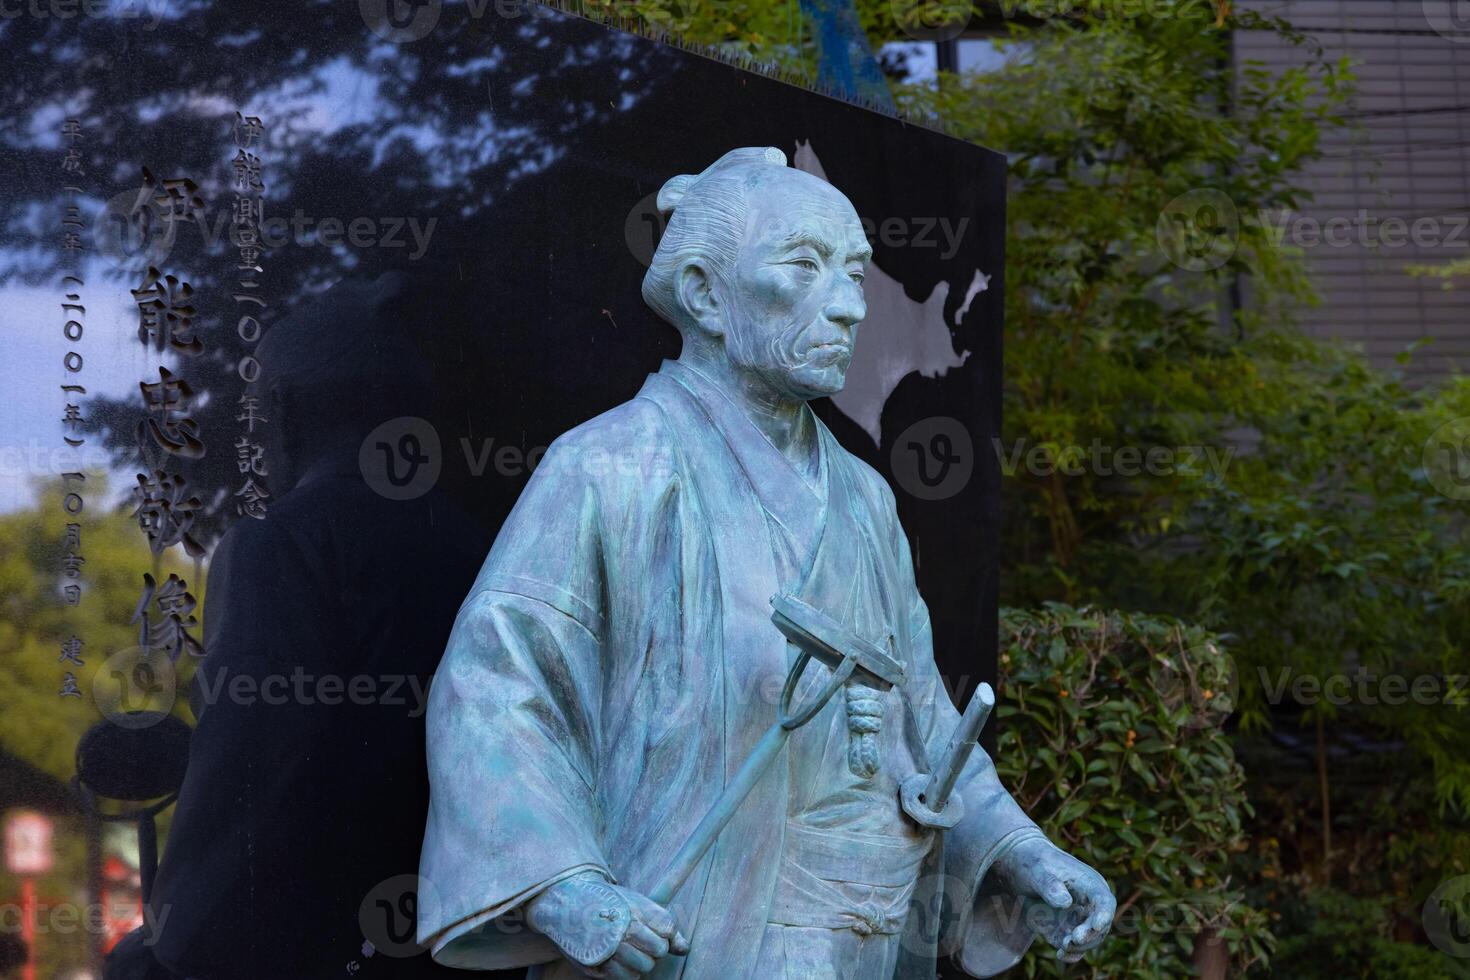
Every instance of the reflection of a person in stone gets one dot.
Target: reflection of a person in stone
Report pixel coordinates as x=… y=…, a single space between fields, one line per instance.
x=305 y=789
x=615 y=662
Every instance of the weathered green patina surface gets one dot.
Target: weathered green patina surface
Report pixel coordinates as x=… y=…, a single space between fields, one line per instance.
x=616 y=665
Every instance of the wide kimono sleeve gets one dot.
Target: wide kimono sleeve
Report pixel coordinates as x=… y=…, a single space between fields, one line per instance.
x=513 y=729
x=989 y=933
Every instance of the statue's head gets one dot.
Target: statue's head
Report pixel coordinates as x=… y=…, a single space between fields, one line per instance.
x=766 y=263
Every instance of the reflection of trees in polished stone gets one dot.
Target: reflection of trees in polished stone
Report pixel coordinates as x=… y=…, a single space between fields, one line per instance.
x=451 y=127
x=35 y=724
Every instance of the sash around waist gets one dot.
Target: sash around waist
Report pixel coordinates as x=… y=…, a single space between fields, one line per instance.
x=891 y=862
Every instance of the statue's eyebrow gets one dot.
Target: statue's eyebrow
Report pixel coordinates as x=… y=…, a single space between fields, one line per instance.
x=823 y=247
x=810 y=239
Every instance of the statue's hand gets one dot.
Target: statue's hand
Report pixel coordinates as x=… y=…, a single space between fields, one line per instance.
x=1079 y=900
x=606 y=930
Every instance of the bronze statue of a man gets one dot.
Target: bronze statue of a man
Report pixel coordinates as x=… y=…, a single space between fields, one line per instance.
x=616 y=663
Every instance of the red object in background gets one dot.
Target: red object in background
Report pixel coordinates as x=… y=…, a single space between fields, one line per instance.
x=28 y=923
x=129 y=902
x=119 y=925
x=28 y=844
x=28 y=854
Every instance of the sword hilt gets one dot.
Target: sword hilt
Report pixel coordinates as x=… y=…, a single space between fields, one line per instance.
x=818 y=634
x=926 y=798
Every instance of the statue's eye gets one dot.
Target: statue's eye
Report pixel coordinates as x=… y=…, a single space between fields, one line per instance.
x=807 y=265
x=856 y=277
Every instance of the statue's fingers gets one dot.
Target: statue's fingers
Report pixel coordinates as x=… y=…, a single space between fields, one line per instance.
x=656 y=917
x=1055 y=893
x=1094 y=896
x=1065 y=951
x=1083 y=895
x=612 y=970
x=1104 y=907
x=647 y=940
x=1084 y=937
x=633 y=958
x=679 y=945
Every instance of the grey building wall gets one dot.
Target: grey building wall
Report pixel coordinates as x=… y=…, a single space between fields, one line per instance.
x=1407 y=157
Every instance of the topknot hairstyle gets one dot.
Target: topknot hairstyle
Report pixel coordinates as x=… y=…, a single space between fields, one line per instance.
x=705 y=214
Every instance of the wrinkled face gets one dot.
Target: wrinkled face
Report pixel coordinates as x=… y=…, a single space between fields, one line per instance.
x=797 y=285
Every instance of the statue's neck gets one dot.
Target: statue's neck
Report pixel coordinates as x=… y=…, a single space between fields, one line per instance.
x=783 y=420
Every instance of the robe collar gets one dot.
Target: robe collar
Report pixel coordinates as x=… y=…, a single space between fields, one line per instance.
x=779 y=484
x=838 y=560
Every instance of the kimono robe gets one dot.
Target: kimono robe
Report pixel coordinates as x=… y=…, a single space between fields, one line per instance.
x=613 y=667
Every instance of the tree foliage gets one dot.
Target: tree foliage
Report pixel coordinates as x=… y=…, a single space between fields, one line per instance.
x=1110 y=738
x=1302 y=507
x=37 y=724
x=1316 y=540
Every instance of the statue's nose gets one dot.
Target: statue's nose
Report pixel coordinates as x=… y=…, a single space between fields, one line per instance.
x=846 y=309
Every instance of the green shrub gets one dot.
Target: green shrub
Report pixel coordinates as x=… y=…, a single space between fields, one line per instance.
x=1110 y=738
x=1334 y=936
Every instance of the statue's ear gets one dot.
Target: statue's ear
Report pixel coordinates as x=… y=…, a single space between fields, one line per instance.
x=695 y=289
